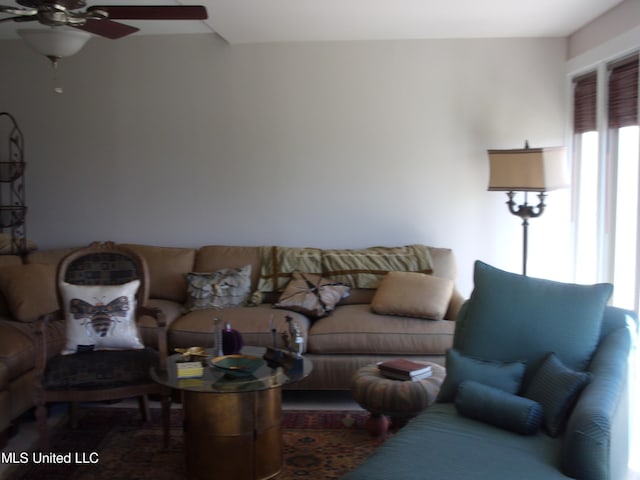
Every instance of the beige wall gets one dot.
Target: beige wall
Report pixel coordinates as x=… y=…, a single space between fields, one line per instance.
x=184 y=140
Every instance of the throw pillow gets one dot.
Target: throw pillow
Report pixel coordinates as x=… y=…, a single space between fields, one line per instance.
x=506 y=376
x=512 y=316
x=29 y=290
x=497 y=407
x=311 y=295
x=226 y=287
x=100 y=317
x=413 y=294
x=556 y=387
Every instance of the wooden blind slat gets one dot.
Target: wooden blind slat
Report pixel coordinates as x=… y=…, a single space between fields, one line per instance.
x=623 y=94
x=584 y=103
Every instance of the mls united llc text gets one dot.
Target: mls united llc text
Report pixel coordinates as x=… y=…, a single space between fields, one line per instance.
x=40 y=457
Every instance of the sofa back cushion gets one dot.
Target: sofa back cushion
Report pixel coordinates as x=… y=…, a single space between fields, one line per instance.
x=5 y=261
x=167 y=266
x=29 y=290
x=512 y=317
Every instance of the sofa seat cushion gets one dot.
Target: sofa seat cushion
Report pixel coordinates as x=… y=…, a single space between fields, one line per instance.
x=439 y=443
x=252 y=322
x=355 y=329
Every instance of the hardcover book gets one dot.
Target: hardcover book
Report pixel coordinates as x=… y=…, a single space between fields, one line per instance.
x=403 y=369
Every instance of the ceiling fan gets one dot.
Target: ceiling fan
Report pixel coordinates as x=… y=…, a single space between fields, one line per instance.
x=98 y=20
x=70 y=29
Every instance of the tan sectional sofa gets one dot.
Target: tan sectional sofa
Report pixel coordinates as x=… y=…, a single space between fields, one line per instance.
x=338 y=344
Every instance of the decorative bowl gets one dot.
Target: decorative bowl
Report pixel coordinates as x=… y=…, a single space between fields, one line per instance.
x=237 y=365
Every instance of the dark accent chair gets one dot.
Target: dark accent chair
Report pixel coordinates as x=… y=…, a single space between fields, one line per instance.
x=100 y=375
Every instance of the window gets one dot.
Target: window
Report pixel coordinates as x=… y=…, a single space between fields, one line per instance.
x=587 y=178
x=607 y=179
x=606 y=146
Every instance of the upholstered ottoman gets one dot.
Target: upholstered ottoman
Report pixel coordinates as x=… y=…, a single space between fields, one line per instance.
x=399 y=399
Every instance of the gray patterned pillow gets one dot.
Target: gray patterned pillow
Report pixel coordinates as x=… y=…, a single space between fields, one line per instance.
x=223 y=288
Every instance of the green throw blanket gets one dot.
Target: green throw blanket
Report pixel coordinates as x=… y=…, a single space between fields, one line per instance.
x=362 y=268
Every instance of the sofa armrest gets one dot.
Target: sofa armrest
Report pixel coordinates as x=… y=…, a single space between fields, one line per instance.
x=596 y=439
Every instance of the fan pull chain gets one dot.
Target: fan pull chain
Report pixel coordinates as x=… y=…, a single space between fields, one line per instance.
x=54 y=66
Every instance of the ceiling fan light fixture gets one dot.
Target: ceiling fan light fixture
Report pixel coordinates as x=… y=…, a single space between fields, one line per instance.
x=55 y=41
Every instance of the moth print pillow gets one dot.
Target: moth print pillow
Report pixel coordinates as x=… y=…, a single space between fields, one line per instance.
x=100 y=317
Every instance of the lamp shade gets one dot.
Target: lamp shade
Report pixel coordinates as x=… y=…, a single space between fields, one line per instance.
x=528 y=169
x=56 y=42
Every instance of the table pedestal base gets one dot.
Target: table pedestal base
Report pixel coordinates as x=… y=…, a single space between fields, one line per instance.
x=233 y=435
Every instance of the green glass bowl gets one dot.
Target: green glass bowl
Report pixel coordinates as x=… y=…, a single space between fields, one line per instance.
x=237 y=365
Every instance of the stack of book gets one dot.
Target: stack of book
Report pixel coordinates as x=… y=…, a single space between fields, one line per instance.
x=189 y=369
x=403 y=369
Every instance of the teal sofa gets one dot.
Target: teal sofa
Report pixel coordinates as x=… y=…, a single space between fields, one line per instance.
x=536 y=388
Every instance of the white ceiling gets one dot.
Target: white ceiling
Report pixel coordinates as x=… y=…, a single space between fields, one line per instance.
x=259 y=21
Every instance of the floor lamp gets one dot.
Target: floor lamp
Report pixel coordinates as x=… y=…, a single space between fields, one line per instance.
x=527 y=170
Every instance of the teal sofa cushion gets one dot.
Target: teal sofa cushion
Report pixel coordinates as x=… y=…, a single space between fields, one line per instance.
x=513 y=317
x=506 y=376
x=556 y=387
x=499 y=408
x=439 y=444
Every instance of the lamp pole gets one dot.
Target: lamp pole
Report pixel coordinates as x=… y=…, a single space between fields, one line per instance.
x=525 y=212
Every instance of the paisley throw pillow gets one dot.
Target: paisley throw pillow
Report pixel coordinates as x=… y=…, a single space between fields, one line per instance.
x=223 y=288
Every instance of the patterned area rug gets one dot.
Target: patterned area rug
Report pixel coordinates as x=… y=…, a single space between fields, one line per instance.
x=113 y=444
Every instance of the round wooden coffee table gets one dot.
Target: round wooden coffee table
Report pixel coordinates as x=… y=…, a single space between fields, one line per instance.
x=232 y=425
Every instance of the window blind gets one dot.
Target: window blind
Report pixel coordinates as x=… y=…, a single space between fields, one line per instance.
x=623 y=93
x=584 y=103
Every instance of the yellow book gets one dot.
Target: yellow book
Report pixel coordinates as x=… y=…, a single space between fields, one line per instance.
x=189 y=369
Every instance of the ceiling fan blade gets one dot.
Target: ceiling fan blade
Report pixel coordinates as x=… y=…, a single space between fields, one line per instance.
x=68 y=4
x=21 y=18
x=153 y=12
x=18 y=11
x=107 y=28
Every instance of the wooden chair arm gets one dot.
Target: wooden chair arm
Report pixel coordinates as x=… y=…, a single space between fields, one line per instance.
x=40 y=340
x=161 y=328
